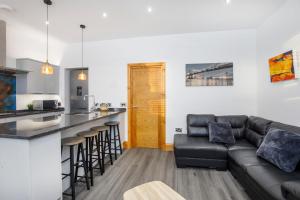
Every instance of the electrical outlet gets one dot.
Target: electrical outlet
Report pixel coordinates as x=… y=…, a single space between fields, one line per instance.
x=123 y=105
x=178 y=130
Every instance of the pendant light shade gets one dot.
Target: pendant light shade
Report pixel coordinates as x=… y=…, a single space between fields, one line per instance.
x=46 y=67
x=82 y=76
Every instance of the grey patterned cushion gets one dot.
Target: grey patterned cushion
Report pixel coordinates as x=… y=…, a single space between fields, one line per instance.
x=281 y=148
x=221 y=133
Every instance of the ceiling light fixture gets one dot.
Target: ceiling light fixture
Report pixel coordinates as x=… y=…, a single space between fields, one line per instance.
x=149 y=9
x=46 y=67
x=82 y=75
x=104 y=15
x=228 y=2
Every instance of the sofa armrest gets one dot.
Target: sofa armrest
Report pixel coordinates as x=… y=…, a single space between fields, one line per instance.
x=291 y=190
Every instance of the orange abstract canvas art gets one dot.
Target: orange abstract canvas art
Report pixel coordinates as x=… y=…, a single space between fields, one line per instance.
x=282 y=67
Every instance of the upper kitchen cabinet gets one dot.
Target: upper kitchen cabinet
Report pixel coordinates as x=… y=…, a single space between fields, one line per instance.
x=34 y=82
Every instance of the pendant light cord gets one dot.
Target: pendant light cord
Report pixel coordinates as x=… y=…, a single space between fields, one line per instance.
x=82 y=49
x=47 y=23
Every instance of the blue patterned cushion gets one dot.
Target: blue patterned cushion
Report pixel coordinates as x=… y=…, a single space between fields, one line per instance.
x=221 y=133
x=281 y=148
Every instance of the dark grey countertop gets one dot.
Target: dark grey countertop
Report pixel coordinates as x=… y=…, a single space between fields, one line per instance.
x=42 y=126
x=20 y=113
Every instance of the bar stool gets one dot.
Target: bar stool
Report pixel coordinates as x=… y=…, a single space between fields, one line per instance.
x=115 y=134
x=105 y=144
x=91 y=137
x=72 y=142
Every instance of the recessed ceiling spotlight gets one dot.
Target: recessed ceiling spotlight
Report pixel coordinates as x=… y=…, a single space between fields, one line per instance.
x=47 y=22
x=149 y=9
x=104 y=15
x=228 y=2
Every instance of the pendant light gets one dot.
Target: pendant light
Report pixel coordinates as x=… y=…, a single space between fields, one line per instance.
x=46 y=67
x=82 y=75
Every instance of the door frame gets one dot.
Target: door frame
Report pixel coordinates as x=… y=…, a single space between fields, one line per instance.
x=162 y=135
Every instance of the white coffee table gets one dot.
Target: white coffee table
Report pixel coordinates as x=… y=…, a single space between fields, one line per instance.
x=155 y=190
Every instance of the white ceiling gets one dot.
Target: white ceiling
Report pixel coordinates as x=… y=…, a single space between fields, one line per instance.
x=130 y=18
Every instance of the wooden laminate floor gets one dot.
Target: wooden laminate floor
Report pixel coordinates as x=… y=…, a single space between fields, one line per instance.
x=138 y=166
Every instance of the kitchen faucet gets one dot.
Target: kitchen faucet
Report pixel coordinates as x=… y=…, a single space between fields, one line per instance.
x=94 y=107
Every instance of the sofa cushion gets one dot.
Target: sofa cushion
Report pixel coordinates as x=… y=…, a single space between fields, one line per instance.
x=286 y=127
x=245 y=157
x=291 y=190
x=220 y=133
x=241 y=144
x=197 y=125
x=237 y=122
x=253 y=137
x=259 y=125
x=281 y=148
x=270 y=178
x=256 y=130
x=198 y=147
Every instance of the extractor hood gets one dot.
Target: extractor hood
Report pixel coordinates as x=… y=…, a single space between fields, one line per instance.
x=3 y=68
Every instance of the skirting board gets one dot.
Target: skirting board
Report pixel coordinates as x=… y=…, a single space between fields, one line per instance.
x=166 y=147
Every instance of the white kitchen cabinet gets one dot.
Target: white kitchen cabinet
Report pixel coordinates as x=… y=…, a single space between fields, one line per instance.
x=34 y=82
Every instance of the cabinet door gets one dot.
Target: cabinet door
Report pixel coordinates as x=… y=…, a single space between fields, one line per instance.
x=51 y=82
x=37 y=83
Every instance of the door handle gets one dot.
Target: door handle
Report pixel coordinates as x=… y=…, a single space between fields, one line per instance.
x=134 y=106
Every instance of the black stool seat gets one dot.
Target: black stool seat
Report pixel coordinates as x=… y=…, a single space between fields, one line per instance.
x=112 y=123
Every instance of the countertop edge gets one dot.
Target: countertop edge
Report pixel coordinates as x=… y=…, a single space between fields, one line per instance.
x=59 y=129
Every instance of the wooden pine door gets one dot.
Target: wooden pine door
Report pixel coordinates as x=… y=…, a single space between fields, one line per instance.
x=146 y=93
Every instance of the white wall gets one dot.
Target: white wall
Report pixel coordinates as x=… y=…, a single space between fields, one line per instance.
x=280 y=33
x=107 y=62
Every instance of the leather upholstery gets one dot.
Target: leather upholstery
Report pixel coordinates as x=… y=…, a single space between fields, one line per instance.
x=261 y=180
x=286 y=127
x=241 y=144
x=237 y=122
x=270 y=178
x=291 y=190
x=198 y=147
x=259 y=125
x=253 y=137
x=245 y=157
x=198 y=151
x=197 y=125
x=257 y=129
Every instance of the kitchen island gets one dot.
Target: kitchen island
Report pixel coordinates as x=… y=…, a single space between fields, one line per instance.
x=30 y=152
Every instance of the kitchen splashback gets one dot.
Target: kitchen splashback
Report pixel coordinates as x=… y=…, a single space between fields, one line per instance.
x=7 y=92
x=24 y=99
